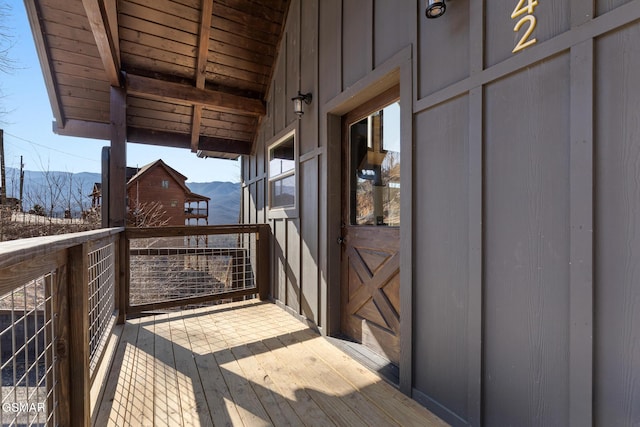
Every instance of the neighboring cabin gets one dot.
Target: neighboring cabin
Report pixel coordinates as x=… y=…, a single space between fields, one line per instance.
x=160 y=191
x=158 y=182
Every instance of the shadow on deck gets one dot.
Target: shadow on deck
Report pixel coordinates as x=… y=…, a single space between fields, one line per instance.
x=247 y=363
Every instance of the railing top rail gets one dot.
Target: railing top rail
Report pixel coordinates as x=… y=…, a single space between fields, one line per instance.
x=200 y=230
x=16 y=251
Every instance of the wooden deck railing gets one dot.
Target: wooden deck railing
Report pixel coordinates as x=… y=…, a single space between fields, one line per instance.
x=60 y=297
x=53 y=331
x=184 y=266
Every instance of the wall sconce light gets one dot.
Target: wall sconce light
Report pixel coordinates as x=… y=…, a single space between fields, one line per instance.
x=435 y=8
x=297 y=103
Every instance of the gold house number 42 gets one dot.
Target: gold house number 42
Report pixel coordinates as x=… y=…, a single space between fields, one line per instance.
x=524 y=7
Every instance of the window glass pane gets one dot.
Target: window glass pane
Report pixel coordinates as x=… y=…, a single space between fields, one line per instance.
x=375 y=168
x=391 y=128
x=282 y=158
x=283 y=192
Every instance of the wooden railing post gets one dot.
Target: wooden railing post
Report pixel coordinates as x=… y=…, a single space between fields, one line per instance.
x=80 y=382
x=60 y=306
x=263 y=279
x=117 y=265
x=123 y=277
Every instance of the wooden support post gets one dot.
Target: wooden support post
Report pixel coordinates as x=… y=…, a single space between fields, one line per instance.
x=122 y=272
x=60 y=303
x=78 y=353
x=118 y=158
x=264 y=262
x=123 y=278
x=105 y=199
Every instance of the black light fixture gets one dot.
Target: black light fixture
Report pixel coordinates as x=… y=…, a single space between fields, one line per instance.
x=297 y=103
x=435 y=8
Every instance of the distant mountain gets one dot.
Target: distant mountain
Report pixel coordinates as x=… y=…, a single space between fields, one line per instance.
x=224 y=206
x=73 y=190
x=63 y=190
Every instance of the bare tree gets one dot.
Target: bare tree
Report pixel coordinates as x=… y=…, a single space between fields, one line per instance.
x=50 y=195
x=77 y=196
x=149 y=214
x=7 y=41
x=57 y=193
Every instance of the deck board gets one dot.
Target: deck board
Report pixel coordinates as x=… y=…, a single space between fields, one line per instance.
x=244 y=364
x=289 y=387
x=143 y=379
x=192 y=391
x=166 y=403
x=301 y=367
x=364 y=411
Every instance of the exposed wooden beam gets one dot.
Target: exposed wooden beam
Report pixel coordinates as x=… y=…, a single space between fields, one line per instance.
x=203 y=55
x=205 y=154
x=223 y=145
x=112 y=18
x=82 y=129
x=95 y=130
x=161 y=90
x=196 y=120
x=203 y=42
x=99 y=13
x=183 y=140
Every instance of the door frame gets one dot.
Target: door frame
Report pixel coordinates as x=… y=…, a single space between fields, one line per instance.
x=352 y=236
x=396 y=70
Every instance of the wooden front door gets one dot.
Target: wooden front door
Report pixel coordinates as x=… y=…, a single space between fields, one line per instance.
x=370 y=287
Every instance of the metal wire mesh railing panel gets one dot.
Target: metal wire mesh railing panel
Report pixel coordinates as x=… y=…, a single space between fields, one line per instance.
x=174 y=268
x=28 y=395
x=102 y=283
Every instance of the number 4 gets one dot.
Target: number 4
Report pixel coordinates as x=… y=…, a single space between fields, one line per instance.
x=522 y=9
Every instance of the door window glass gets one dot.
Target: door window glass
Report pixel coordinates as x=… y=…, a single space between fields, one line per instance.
x=375 y=168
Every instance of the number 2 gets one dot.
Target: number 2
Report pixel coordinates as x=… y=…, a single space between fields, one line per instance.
x=523 y=40
x=521 y=9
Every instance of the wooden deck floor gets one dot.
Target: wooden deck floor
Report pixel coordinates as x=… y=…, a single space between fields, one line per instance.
x=247 y=364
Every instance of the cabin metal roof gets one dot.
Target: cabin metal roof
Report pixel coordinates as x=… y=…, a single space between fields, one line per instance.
x=196 y=72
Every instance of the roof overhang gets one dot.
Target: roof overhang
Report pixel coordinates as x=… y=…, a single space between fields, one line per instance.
x=196 y=72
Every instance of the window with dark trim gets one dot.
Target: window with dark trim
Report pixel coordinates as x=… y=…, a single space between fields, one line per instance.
x=282 y=158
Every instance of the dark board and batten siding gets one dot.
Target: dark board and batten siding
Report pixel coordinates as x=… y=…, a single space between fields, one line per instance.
x=617 y=228
x=525 y=277
x=442 y=210
x=295 y=281
x=526 y=245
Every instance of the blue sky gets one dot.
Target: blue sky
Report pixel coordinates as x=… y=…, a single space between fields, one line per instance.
x=28 y=124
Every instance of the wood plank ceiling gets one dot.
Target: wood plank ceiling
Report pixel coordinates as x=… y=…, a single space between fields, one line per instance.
x=196 y=72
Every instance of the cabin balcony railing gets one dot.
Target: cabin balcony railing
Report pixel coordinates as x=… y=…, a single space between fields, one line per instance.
x=61 y=297
x=196 y=212
x=186 y=266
